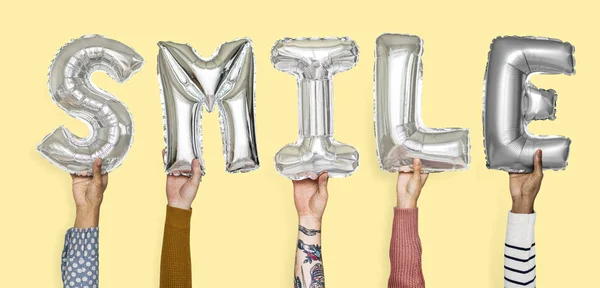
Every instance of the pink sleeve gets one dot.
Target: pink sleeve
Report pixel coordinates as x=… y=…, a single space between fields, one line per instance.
x=405 y=251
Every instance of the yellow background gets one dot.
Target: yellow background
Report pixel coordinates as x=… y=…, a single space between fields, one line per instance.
x=244 y=225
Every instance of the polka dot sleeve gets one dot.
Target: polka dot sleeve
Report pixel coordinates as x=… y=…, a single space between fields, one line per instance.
x=80 y=258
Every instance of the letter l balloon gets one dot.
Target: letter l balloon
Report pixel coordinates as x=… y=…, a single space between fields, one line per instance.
x=399 y=129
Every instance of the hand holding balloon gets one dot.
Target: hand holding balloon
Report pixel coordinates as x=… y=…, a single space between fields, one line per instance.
x=409 y=186
x=182 y=190
x=525 y=187
x=88 y=192
x=310 y=197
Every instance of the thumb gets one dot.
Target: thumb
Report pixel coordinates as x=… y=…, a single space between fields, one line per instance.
x=196 y=173
x=416 y=169
x=97 y=172
x=537 y=164
x=322 y=181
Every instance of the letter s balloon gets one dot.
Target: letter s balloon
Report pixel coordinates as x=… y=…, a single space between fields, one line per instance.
x=110 y=123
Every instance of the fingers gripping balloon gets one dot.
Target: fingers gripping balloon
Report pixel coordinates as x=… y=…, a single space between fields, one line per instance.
x=314 y=62
x=189 y=82
x=400 y=133
x=511 y=102
x=109 y=121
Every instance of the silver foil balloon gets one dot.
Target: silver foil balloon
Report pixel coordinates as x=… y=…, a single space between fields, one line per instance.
x=188 y=83
x=511 y=102
x=399 y=129
x=314 y=61
x=109 y=121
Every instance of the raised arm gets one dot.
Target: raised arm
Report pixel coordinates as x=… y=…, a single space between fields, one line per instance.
x=79 y=265
x=519 y=248
x=405 y=248
x=310 y=197
x=176 y=261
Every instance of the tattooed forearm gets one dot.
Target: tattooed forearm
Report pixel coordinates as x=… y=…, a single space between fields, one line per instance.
x=309 y=262
x=313 y=252
x=317 y=276
x=308 y=232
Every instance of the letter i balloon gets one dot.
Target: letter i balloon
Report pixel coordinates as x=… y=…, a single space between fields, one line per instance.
x=314 y=62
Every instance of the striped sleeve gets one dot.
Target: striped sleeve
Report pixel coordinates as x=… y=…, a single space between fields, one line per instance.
x=519 y=251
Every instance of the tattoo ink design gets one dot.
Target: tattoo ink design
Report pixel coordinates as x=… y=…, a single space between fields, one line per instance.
x=313 y=252
x=308 y=232
x=317 y=276
x=297 y=283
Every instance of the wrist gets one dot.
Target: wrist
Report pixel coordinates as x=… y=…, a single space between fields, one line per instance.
x=180 y=205
x=87 y=216
x=87 y=208
x=309 y=221
x=406 y=202
x=522 y=206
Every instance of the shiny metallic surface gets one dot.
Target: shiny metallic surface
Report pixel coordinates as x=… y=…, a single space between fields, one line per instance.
x=109 y=121
x=511 y=102
x=314 y=62
x=539 y=104
x=189 y=82
x=399 y=130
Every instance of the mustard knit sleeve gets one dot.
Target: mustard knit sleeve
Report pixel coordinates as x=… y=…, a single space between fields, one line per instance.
x=176 y=262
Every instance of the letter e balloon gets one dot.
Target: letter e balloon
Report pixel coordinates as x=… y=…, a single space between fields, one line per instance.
x=511 y=102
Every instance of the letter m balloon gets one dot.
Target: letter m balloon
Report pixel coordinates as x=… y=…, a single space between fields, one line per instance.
x=188 y=83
